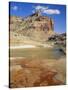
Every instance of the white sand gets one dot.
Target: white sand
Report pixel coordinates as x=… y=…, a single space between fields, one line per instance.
x=46 y=45
x=30 y=46
x=12 y=58
x=22 y=46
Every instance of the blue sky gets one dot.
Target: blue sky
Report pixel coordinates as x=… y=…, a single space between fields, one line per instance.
x=56 y=12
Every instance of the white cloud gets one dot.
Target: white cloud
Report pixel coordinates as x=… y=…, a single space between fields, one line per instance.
x=51 y=11
x=41 y=8
x=15 y=7
x=47 y=10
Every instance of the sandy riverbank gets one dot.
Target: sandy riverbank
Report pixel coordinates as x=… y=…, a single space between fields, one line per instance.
x=29 y=46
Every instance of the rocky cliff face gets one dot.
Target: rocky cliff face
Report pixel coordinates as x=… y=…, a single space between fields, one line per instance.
x=35 y=26
x=39 y=22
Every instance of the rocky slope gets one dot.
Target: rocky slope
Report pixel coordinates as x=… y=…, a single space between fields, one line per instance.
x=59 y=40
x=34 y=27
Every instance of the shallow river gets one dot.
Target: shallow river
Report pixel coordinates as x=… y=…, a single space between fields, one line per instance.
x=40 y=53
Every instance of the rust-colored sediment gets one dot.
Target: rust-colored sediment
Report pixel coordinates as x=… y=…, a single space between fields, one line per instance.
x=32 y=74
